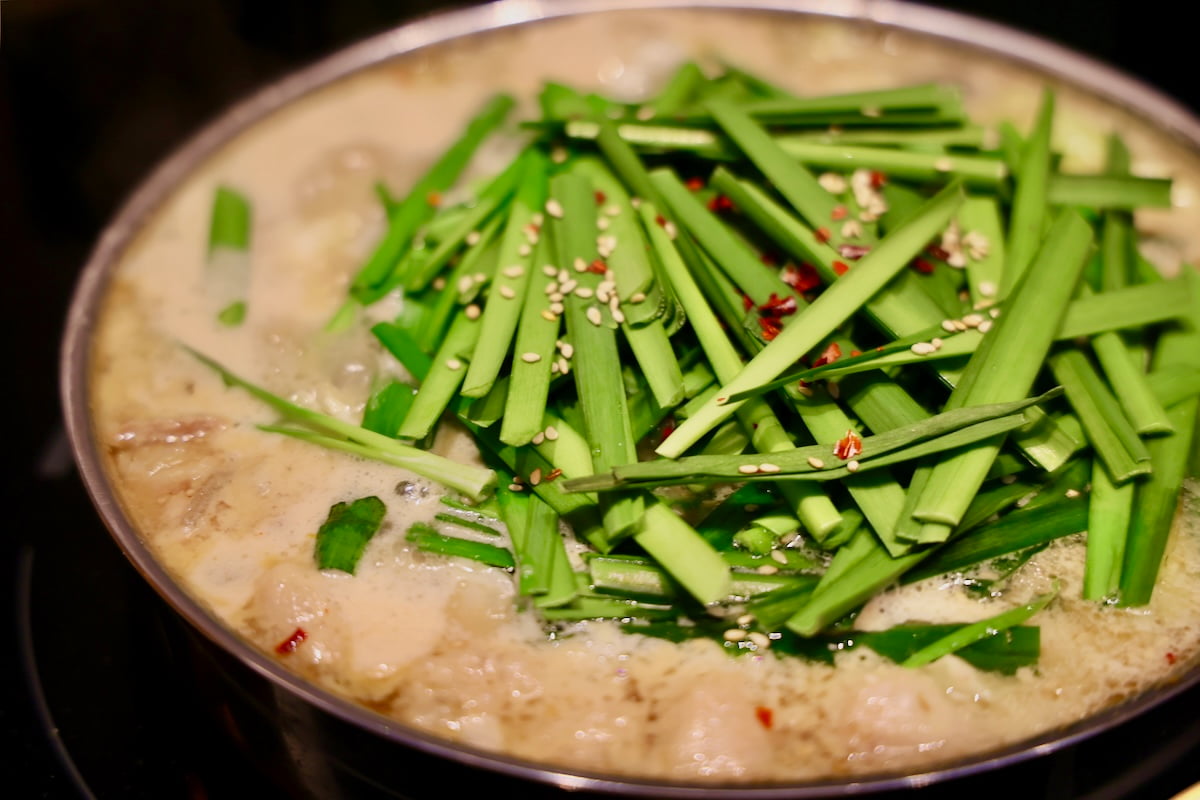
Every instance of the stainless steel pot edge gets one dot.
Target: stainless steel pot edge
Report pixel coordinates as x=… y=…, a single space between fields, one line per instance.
x=1040 y=54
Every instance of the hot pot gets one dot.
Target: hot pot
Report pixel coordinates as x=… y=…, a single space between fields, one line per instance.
x=324 y=746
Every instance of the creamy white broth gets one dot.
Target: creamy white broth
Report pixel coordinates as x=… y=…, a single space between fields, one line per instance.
x=439 y=644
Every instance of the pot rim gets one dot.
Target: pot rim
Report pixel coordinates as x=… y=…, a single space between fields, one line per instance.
x=1053 y=60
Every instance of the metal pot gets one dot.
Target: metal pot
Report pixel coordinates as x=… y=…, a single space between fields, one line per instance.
x=326 y=746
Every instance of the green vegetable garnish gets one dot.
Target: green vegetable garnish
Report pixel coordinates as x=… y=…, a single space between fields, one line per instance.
x=344 y=535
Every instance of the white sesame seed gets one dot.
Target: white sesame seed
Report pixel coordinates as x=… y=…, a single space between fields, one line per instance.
x=439 y=283
x=566 y=287
x=985 y=326
x=923 y=348
x=671 y=230
x=554 y=208
x=568 y=350
x=580 y=265
x=618 y=316
x=563 y=366
x=768 y=468
x=645 y=113
x=551 y=287
x=602 y=223
x=557 y=297
x=948 y=325
x=549 y=270
x=549 y=315
x=636 y=202
x=1072 y=493
x=551 y=433
x=584 y=292
x=1008 y=479
x=563 y=276
x=993 y=312
x=558 y=155
x=804 y=390
x=852 y=466
x=557 y=307
x=745 y=619
x=972 y=320
x=943 y=164
x=612 y=209
x=473 y=311
x=767 y=569
x=480 y=277
x=987 y=289
x=602 y=294
x=834 y=390
x=832 y=182
x=535 y=477
x=959 y=326
x=937 y=343
x=760 y=640
x=514 y=271
x=851 y=229
x=453 y=363
x=871 y=111
x=465 y=284
x=472 y=238
x=507 y=292
x=538 y=438
x=747 y=469
x=531 y=358
x=524 y=249
x=537 y=218
x=815 y=462
x=734 y=635
x=593 y=315
x=1024 y=501
x=532 y=236
x=515 y=487
x=637 y=297
x=779 y=557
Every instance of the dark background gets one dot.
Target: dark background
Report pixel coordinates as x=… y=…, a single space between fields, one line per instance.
x=92 y=94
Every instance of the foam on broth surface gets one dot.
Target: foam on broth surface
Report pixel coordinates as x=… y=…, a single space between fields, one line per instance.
x=232 y=512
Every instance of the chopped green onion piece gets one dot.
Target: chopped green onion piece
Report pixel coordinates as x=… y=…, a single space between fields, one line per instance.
x=344 y=535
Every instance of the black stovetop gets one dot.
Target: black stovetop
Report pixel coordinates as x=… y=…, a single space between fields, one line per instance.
x=92 y=94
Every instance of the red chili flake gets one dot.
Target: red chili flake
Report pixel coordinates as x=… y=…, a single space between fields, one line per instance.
x=839 y=212
x=747 y=303
x=855 y=353
x=853 y=251
x=720 y=204
x=434 y=199
x=829 y=355
x=695 y=184
x=533 y=228
x=1171 y=658
x=290 y=644
x=600 y=197
x=922 y=266
x=823 y=235
x=668 y=427
x=551 y=475
x=770 y=327
x=937 y=251
x=660 y=220
x=848 y=446
x=802 y=278
x=878 y=179
x=598 y=267
x=770 y=259
x=841 y=267
x=778 y=307
x=766 y=717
